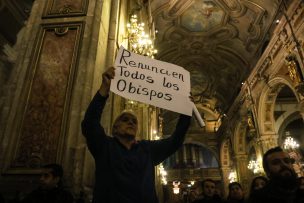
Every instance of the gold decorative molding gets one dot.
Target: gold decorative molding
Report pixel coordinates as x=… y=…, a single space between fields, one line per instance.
x=65 y=8
x=61 y=31
x=44 y=114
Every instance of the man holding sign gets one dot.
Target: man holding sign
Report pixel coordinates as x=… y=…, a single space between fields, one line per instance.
x=124 y=166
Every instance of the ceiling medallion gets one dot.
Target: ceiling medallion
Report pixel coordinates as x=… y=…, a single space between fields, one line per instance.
x=202 y=16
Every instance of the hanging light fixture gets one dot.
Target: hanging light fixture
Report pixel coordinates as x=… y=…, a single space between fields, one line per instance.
x=290 y=143
x=140 y=42
x=163 y=174
x=255 y=166
x=176 y=188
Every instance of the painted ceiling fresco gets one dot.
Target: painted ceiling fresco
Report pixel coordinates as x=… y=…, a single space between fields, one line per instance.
x=218 y=41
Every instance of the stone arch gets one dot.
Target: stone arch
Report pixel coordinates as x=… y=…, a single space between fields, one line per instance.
x=250 y=148
x=291 y=117
x=266 y=108
x=267 y=131
x=215 y=154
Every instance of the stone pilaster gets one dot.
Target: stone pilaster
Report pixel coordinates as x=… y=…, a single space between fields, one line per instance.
x=242 y=170
x=57 y=71
x=225 y=174
x=268 y=141
x=301 y=108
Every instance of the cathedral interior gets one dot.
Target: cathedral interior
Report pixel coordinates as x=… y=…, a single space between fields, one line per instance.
x=246 y=63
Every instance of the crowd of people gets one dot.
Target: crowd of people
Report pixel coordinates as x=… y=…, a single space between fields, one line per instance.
x=281 y=184
x=124 y=166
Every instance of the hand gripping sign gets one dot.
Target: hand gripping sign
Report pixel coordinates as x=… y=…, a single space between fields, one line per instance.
x=154 y=82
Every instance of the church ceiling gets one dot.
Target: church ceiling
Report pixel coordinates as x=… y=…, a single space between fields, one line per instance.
x=218 y=41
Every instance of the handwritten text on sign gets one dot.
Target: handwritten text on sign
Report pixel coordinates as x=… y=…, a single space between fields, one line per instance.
x=151 y=81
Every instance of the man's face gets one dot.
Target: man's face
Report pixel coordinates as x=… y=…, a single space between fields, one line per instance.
x=48 y=180
x=126 y=126
x=280 y=165
x=209 y=189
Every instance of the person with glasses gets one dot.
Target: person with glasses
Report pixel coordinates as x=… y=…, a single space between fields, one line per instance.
x=124 y=169
x=50 y=189
x=282 y=185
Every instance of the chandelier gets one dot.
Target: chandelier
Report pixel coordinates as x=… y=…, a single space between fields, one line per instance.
x=140 y=42
x=290 y=143
x=254 y=166
x=163 y=174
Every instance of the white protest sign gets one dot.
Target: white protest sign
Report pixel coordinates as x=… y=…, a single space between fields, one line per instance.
x=151 y=81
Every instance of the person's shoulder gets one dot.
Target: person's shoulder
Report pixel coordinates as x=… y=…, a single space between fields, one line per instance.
x=197 y=201
x=63 y=190
x=65 y=194
x=33 y=196
x=144 y=143
x=259 y=196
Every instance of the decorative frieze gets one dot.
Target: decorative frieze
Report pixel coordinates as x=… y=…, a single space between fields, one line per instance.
x=65 y=8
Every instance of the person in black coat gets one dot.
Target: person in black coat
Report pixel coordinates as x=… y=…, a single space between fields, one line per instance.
x=50 y=189
x=208 y=192
x=257 y=184
x=124 y=166
x=282 y=186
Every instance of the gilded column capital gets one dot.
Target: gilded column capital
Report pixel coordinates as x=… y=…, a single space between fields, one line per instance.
x=268 y=141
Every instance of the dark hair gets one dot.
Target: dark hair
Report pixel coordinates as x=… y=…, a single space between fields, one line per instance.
x=207 y=180
x=253 y=183
x=230 y=187
x=270 y=151
x=233 y=184
x=57 y=171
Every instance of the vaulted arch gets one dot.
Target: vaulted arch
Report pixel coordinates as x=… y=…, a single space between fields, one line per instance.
x=268 y=131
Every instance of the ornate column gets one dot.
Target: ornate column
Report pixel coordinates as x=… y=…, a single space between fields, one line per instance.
x=176 y=156
x=193 y=154
x=57 y=71
x=301 y=108
x=225 y=174
x=185 y=154
x=268 y=141
x=242 y=170
x=201 y=158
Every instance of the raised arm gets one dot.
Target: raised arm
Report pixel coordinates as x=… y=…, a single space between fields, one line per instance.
x=90 y=125
x=162 y=149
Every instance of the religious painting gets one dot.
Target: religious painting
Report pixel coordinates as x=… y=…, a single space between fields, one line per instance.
x=202 y=16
